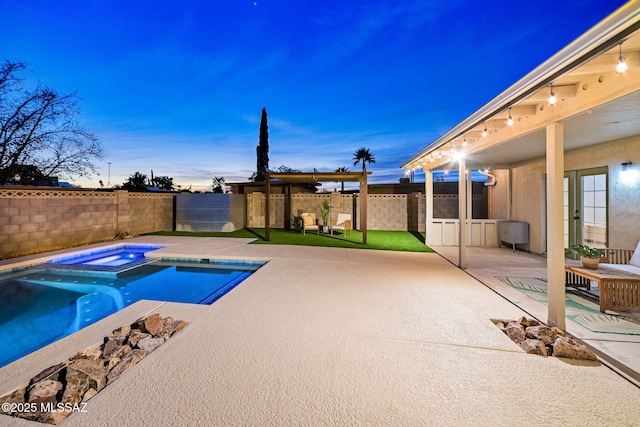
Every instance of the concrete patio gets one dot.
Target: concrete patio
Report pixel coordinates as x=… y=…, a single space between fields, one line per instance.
x=327 y=336
x=620 y=350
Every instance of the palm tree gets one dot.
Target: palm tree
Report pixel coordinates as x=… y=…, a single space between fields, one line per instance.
x=136 y=182
x=340 y=170
x=365 y=156
x=218 y=184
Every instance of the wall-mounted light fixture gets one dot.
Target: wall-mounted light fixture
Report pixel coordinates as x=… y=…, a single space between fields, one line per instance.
x=629 y=176
x=622 y=65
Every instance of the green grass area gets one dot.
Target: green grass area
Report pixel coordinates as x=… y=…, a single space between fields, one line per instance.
x=376 y=239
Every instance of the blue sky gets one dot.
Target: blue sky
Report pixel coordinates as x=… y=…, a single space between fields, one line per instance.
x=177 y=87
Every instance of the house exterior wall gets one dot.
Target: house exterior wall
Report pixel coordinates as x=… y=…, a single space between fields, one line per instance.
x=37 y=220
x=498 y=200
x=624 y=197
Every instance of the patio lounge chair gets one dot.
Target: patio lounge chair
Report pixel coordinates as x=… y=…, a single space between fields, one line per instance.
x=309 y=222
x=343 y=222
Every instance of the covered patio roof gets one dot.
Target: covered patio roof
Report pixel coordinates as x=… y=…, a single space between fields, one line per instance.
x=594 y=103
x=296 y=177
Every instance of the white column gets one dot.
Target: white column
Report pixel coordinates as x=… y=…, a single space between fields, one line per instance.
x=555 y=228
x=428 y=191
x=462 y=213
x=469 y=206
x=509 y=194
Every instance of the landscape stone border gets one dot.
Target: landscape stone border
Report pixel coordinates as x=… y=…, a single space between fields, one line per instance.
x=62 y=389
x=536 y=338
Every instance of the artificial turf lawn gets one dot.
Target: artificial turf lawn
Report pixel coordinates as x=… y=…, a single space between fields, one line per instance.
x=376 y=239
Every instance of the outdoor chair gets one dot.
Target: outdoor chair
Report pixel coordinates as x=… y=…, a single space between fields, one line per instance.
x=309 y=222
x=343 y=222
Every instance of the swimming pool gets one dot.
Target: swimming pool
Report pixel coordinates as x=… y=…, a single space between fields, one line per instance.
x=113 y=259
x=39 y=305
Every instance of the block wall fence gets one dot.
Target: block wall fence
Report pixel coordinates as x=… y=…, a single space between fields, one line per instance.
x=403 y=212
x=37 y=220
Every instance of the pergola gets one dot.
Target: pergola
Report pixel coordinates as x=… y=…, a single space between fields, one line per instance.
x=297 y=177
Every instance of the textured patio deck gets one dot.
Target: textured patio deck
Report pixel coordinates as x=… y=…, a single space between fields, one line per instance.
x=618 y=348
x=326 y=336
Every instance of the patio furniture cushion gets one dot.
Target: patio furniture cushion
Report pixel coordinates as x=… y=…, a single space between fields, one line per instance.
x=308 y=220
x=635 y=258
x=343 y=222
x=624 y=267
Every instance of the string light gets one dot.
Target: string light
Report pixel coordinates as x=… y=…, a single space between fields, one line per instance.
x=510 y=119
x=484 y=132
x=622 y=65
x=552 y=96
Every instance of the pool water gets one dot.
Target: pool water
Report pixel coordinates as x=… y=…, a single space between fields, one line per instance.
x=111 y=259
x=38 y=307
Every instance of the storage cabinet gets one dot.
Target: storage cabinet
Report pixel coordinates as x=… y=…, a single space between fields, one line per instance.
x=514 y=233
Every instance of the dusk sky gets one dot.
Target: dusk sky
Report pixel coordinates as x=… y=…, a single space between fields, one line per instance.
x=177 y=87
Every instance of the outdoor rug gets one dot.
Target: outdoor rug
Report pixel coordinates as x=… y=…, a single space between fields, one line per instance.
x=579 y=310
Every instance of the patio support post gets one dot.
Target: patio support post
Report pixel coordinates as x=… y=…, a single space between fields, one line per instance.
x=428 y=191
x=555 y=224
x=462 y=213
x=267 y=222
x=469 y=204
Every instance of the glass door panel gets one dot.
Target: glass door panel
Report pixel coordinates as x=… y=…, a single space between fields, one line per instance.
x=593 y=197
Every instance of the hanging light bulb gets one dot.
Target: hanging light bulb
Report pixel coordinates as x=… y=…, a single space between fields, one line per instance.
x=622 y=65
x=484 y=132
x=510 y=119
x=552 y=96
x=464 y=142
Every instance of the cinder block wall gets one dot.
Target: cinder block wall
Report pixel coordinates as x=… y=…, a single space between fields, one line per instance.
x=385 y=211
x=37 y=220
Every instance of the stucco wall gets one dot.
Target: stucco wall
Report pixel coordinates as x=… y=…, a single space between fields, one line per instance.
x=498 y=207
x=35 y=220
x=624 y=197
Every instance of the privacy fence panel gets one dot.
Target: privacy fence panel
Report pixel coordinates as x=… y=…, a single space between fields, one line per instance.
x=210 y=212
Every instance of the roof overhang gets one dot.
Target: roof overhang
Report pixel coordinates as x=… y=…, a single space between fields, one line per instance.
x=592 y=99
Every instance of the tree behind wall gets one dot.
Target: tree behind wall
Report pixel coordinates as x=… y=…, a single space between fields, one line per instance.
x=136 y=182
x=39 y=129
x=342 y=169
x=218 y=184
x=365 y=156
x=262 y=150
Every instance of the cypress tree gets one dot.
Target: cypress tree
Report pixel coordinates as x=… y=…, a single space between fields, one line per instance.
x=262 y=150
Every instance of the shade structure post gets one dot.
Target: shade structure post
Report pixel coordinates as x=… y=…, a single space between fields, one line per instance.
x=363 y=207
x=267 y=222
